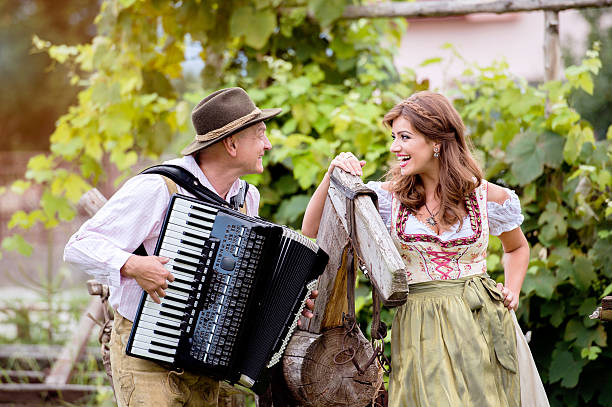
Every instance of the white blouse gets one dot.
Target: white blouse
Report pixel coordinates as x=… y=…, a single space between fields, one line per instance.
x=502 y=218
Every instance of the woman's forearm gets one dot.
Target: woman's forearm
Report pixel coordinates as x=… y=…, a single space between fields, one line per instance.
x=314 y=210
x=515 y=267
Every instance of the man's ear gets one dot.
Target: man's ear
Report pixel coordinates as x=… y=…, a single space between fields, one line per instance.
x=230 y=145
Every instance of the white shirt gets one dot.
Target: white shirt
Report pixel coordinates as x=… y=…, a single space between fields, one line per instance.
x=502 y=218
x=133 y=215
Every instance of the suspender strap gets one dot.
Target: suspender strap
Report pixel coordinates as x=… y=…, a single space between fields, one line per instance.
x=188 y=181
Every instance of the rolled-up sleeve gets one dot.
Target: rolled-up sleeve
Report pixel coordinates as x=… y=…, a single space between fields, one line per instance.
x=132 y=216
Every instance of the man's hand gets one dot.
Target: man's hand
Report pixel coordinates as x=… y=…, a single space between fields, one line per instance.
x=307 y=311
x=150 y=273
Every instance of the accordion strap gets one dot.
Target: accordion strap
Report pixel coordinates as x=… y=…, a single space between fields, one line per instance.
x=189 y=182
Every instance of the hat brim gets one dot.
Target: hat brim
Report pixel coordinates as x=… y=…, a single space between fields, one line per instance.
x=198 y=145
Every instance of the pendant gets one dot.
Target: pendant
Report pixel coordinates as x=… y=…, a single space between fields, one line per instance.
x=431 y=221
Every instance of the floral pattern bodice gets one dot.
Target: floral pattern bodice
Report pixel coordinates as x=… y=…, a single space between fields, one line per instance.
x=427 y=257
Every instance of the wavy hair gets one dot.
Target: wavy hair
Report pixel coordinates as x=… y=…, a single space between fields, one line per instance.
x=433 y=116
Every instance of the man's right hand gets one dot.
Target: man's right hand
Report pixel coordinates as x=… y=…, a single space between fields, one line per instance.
x=150 y=273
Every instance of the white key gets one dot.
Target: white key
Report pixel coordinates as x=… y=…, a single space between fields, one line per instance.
x=155 y=314
x=145 y=338
x=201 y=210
x=150 y=347
x=182 y=238
x=153 y=327
x=181 y=219
x=174 y=245
x=143 y=352
x=158 y=308
x=152 y=320
x=176 y=293
x=182 y=230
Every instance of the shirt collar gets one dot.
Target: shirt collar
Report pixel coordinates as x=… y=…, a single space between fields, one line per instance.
x=190 y=164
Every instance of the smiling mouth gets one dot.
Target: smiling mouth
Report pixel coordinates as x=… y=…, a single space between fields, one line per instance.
x=403 y=161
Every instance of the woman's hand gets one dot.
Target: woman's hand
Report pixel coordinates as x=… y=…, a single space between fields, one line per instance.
x=511 y=300
x=347 y=162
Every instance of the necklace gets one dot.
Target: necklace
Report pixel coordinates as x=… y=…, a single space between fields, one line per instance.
x=432 y=218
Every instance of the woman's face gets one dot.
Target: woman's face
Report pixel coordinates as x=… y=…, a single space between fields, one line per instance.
x=413 y=151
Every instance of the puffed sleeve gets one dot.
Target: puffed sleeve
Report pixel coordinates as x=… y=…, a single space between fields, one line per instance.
x=384 y=202
x=505 y=217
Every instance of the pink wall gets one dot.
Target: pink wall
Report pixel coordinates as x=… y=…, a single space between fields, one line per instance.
x=483 y=38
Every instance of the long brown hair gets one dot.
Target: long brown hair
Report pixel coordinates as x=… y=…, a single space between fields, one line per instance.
x=433 y=116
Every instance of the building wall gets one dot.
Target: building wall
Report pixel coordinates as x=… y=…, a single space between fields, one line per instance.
x=518 y=38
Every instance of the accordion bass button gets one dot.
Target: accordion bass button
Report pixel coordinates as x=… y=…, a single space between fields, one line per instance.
x=228 y=263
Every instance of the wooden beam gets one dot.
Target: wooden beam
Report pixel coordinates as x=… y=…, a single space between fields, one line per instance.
x=552 y=46
x=454 y=8
x=387 y=269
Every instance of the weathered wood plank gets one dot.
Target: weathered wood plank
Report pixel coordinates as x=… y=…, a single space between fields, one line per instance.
x=387 y=269
x=329 y=305
x=454 y=8
x=606 y=309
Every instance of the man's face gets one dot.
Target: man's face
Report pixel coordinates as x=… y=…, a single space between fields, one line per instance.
x=251 y=145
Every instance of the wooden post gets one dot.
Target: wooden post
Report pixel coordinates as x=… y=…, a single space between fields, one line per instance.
x=606 y=309
x=312 y=370
x=552 y=46
x=61 y=370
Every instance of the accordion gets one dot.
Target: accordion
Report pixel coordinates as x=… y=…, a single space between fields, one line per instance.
x=240 y=285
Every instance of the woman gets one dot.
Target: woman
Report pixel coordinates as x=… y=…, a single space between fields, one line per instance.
x=454 y=341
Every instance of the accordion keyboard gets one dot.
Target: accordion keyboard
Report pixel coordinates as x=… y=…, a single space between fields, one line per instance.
x=222 y=256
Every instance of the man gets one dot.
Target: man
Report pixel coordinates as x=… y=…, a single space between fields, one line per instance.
x=230 y=142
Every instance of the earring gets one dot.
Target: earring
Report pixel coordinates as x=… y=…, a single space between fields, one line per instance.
x=436 y=152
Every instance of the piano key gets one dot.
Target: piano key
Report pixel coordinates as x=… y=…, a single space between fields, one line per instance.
x=189 y=207
x=160 y=336
x=182 y=236
x=179 y=258
x=146 y=353
x=156 y=314
x=151 y=348
x=158 y=308
x=159 y=329
x=183 y=233
x=192 y=222
x=175 y=324
x=178 y=266
x=181 y=285
x=179 y=294
x=146 y=338
x=175 y=246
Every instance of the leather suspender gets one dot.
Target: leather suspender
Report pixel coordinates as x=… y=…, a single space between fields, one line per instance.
x=177 y=175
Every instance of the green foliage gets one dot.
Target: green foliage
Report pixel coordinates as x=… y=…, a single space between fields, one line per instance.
x=533 y=141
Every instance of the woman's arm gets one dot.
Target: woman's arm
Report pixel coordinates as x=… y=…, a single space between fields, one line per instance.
x=516 y=253
x=515 y=261
x=312 y=217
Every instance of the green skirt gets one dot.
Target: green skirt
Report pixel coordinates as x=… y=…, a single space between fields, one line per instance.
x=453 y=344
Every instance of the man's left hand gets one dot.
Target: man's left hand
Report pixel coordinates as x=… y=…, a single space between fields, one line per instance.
x=307 y=311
